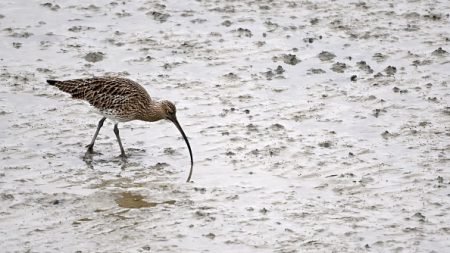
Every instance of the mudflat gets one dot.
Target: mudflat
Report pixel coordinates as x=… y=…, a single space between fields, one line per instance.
x=316 y=126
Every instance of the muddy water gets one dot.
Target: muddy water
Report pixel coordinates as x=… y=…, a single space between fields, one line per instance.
x=316 y=126
x=130 y=200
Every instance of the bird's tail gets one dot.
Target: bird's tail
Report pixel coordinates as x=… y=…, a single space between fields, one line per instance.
x=52 y=82
x=75 y=87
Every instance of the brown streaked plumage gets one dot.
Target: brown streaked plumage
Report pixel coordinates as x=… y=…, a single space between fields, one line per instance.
x=121 y=100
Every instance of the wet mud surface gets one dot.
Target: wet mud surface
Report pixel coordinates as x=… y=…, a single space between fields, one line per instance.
x=316 y=126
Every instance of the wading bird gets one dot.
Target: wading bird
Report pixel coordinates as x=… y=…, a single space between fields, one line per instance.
x=120 y=100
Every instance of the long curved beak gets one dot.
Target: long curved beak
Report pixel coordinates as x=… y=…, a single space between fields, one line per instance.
x=175 y=121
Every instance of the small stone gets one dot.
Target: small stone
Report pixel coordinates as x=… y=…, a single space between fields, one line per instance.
x=353 y=78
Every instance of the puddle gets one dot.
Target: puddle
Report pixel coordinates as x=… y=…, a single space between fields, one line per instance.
x=133 y=200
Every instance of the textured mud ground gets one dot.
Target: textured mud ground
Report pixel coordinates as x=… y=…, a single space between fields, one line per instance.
x=316 y=126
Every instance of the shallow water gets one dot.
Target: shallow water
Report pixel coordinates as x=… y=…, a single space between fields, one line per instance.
x=295 y=150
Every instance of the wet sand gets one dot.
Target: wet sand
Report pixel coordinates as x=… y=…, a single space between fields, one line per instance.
x=316 y=126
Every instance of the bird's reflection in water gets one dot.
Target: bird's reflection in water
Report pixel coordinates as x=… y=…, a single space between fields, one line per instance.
x=91 y=161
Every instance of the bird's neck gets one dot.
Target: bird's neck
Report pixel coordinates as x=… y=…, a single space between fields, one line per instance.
x=153 y=112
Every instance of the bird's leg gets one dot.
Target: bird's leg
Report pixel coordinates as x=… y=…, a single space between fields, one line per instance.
x=116 y=131
x=91 y=145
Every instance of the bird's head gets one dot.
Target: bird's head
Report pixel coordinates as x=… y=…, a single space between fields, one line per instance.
x=169 y=110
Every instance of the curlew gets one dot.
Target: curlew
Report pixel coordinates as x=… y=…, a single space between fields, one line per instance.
x=120 y=100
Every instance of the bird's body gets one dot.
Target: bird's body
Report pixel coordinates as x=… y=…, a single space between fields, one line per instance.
x=116 y=98
x=120 y=100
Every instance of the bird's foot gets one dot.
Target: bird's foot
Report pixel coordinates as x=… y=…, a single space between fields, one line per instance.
x=123 y=156
x=90 y=149
x=88 y=157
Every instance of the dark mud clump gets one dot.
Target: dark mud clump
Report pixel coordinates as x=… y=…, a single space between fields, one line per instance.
x=53 y=7
x=325 y=144
x=314 y=21
x=158 y=16
x=159 y=166
x=316 y=71
x=362 y=65
x=421 y=63
x=226 y=23
x=276 y=73
x=379 y=57
x=94 y=56
x=279 y=70
x=17 y=45
x=244 y=32
x=446 y=110
x=339 y=67
x=231 y=76
x=80 y=28
x=277 y=127
x=326 y=56
x=290 y=59
x=439 y=52
x=390 y=70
